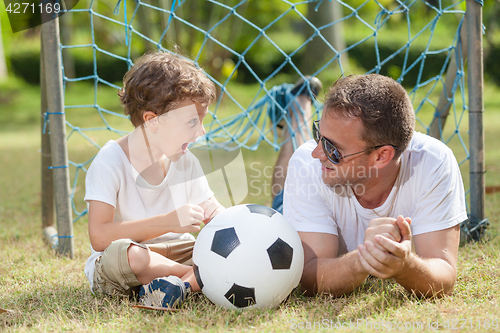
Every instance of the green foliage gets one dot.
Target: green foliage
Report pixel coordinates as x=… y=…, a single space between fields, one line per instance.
x=492 y=65
x=4 y=18
x=27 y=66
x=263 y=57
x=239 y=35
x=365 y=55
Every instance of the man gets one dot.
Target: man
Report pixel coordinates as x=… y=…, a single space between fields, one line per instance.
x=368 y=188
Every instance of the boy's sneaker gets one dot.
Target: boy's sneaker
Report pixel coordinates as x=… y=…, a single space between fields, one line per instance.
x=165 y=292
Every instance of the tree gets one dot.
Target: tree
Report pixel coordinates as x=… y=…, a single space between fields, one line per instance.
x=3 y=63
x=317 y=50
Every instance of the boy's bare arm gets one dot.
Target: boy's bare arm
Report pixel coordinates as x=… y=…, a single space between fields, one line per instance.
x=103 y=231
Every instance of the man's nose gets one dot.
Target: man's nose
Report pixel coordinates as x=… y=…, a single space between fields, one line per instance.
x=318 y=152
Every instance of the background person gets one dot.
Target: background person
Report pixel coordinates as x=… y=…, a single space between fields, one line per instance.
x=297 y=100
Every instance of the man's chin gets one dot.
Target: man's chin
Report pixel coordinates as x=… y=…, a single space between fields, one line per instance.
x=341 y=186
x=333 y=182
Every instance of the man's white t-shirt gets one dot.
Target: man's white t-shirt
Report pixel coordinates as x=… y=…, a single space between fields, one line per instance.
x=431 y=192
x=113 y=180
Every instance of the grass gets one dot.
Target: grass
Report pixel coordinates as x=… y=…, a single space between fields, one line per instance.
x=49 y=293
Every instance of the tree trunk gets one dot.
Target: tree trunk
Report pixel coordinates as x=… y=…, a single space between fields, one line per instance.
x=171 y=34
x=3 y=63
x=317 y=51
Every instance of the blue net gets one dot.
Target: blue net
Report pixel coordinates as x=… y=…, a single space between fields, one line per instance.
x=255 y=51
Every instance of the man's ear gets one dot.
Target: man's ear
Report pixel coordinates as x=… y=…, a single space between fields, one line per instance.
x=383 y=155
x=150 y=121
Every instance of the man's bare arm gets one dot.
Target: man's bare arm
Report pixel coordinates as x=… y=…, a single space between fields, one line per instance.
x=323 y=271
x=433 y=270
x=430 y=271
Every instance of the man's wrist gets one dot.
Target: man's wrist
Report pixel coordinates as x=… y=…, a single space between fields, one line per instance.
x=360 y=270
x=406 y=268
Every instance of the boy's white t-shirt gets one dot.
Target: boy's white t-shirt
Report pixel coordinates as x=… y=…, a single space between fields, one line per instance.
x=431 y=193
x=113 y=180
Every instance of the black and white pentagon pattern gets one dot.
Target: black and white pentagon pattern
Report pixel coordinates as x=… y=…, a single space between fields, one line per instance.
x=225 y=241
x=240 y=296
x=197 y=276
x=259 y=209
x=280 y=254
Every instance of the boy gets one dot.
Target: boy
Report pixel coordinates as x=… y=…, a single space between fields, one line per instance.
x=145 y=191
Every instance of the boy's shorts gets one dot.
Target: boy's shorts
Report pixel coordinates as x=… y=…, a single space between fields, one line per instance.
x=113 y=275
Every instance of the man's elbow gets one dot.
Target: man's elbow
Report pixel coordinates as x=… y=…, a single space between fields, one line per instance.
x=444 y=290
x=311 y=284
x=433 y=291
x=307 y=287
x=308 y=283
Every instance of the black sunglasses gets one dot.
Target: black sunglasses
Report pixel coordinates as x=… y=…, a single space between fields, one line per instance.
x=331 y=152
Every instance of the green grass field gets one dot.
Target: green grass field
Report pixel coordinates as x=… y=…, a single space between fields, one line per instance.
x=46 y=293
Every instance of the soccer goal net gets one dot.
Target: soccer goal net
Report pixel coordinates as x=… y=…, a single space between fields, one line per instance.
x=254 y=51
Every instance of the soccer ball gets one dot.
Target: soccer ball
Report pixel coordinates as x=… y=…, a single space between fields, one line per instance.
x=248 y=256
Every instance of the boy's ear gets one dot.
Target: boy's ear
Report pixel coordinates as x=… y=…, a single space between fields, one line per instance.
x=150 y=120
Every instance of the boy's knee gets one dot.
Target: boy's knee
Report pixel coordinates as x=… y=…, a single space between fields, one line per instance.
x=138 y=258
x=113 y=274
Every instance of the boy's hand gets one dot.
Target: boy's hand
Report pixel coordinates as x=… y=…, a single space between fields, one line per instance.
x=188 y=216
x=212 y=207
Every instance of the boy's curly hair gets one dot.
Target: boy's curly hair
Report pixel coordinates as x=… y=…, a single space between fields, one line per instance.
x=158 y=81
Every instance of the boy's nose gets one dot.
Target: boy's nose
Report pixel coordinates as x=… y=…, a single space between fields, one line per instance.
x=201 y=131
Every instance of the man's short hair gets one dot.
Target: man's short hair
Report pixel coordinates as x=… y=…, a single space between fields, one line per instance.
x=158 y=81
x=382 y=105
